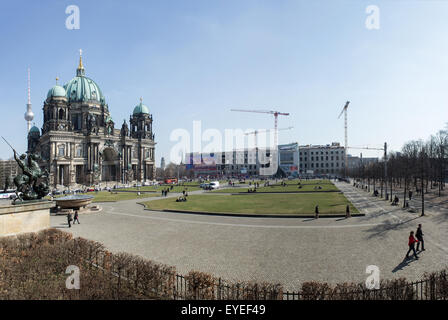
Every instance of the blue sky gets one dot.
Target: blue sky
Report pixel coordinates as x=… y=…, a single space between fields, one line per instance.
x=195 y=60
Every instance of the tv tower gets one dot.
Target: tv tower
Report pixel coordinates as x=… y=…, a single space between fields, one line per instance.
x=29 y=115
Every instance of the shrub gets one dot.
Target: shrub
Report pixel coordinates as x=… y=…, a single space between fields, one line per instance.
x=201 y=285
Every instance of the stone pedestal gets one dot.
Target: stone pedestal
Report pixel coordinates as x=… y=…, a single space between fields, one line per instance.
x=25 y=217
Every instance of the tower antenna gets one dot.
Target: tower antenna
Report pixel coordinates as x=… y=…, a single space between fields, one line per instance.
x=29 y=115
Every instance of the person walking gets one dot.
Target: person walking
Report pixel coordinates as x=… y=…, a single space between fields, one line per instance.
x=347 y=212
x=411 y=245
x=76 y=217
x=69 y=219
x=316 y=212
x=419 y=235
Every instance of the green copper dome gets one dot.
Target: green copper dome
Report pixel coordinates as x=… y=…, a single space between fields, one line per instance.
x=141 y=108
x=34 y=129
x=56 y=91
x=83 y=89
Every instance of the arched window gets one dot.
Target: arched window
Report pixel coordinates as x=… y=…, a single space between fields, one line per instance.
x=61 y=114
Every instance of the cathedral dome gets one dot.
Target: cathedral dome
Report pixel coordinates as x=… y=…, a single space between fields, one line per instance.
x=141 y=109
x=34 y=129
x=56 y=91
x=83 y=89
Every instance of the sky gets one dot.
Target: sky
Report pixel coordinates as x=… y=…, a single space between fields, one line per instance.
x=195 y=60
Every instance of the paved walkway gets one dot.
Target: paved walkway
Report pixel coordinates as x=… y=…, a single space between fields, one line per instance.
x=288 y=250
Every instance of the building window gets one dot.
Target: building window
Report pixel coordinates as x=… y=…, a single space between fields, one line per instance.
x=61 y=150
x=79 y=151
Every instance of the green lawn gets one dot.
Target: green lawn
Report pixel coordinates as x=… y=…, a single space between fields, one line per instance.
x=291 y=186
x=105 y=196
x=158 y=189
x=329 y=203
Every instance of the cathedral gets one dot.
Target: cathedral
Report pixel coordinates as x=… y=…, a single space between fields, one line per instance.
x=79 y=144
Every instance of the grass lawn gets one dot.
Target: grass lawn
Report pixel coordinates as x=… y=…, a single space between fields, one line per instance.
x=307 y=186
x=105 y=196
x=329 y=203
x=158 y=189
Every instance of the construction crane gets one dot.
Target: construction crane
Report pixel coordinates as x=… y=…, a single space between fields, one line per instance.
x=275 y=113
x=255 y=136
x=344 y=110
x=264 y=130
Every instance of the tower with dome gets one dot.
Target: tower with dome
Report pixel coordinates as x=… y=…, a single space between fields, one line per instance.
x=79 y=143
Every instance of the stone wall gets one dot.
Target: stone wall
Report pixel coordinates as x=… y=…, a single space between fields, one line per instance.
x=23 y=218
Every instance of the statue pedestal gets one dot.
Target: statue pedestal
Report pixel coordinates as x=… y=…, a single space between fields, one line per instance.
x=25 y=217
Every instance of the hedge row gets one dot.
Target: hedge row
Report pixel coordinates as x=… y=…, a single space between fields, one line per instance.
x=32 y=266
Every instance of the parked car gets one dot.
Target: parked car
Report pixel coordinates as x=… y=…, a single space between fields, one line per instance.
x=214 y=185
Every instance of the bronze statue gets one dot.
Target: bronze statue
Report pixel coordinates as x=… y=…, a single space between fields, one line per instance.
x=124 y=129
x=32 y=183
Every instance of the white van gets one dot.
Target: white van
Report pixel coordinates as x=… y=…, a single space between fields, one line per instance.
x=214 y=184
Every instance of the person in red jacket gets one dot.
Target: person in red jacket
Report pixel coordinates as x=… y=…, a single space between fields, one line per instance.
x=411 y=244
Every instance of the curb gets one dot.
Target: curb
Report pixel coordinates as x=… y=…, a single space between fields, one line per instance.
x=253 y=215
x=273 y=192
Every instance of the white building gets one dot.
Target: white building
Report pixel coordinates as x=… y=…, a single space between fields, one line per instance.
x=322 y=159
